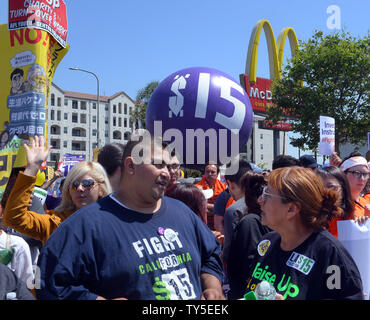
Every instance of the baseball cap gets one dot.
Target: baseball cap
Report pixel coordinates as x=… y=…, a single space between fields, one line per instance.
x=308 y=161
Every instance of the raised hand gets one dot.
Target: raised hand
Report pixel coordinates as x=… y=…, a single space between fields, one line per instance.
x=36 y=155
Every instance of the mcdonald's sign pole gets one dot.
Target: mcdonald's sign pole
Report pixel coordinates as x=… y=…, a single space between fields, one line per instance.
x=258 y=88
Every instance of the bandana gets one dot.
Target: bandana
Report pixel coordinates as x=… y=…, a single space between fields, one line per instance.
x=352 y=162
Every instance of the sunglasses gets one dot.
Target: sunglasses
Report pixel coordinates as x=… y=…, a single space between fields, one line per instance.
x=87 y=184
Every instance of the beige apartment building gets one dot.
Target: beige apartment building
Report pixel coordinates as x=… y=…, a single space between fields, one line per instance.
x=75 y=122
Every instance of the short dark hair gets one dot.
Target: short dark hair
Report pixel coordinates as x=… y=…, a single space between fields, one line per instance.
x=282 y=161
x=351 y=155
x=244 y=166
x=16 y=71
x=132 y=143
x=110 y=157
x=212 y=164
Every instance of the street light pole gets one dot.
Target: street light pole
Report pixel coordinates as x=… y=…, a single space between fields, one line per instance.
x=97 y=81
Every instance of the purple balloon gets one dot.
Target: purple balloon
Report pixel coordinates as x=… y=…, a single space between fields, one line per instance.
x=210 y=110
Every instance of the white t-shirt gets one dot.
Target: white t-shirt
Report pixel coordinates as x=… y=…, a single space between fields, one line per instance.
x=21 y=262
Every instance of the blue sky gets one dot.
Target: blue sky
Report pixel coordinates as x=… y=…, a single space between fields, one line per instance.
x=130 y=43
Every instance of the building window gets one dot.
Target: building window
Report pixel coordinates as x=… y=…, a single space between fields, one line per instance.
x=78 y=132
x=106 y=133
x=114 y=121
x=74 y=117
x=55 y=144
x=261 y=146
x=77 y=146
x=83 y=118
x=117 y=135
x=52 y=99
x=83 y=105
x=106 y=107
x=74 y=104
x=59 y=101
x=106 y=120
x=261 y=156
x=261 y=136
x=127 y=135
x=65 y=116
x=54 y=157
x=120 y=108
x=65 y=130
x=114 y=108
x=59 y=115
x=125 y=122
x=65 y=101
x=125 y=108
x=119 y=122
x=54 y=130
x=94 y=132
x=64 y=144
x=94 y=105
x=94 y=119
x=52 y=116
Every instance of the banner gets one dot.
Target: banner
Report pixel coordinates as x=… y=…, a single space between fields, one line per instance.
x=29 y=58
x=67 y=162
x=8 y=155
x=356 y=239
x=327 y=136
x=48 y=15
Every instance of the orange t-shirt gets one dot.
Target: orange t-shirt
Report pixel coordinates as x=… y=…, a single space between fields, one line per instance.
x=217 y=189
x=358 y=211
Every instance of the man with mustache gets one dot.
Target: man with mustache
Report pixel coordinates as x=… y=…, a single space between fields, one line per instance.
x=135 y=243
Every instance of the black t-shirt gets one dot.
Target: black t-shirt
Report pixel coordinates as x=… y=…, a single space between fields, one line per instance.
x=319 y=268
x=248 y=233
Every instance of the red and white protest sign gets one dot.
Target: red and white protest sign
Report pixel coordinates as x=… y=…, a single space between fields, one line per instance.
x=48 y=15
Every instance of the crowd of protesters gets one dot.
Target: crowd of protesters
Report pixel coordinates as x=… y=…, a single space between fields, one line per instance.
x=124 y=229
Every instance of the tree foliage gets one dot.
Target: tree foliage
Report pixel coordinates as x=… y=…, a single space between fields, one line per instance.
x=335 y=72
x=142 y=100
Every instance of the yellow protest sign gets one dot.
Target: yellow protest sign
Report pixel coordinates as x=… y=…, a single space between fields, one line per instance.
x=8 y=155
x=29 y=58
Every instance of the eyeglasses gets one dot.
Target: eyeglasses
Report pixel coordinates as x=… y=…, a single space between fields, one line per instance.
x=265 y=195
x=87 y=184
x=173 y=166
x=358 y=174
x=163 y=165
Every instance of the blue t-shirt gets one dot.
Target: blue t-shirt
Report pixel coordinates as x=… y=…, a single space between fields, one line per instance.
x=108 y=250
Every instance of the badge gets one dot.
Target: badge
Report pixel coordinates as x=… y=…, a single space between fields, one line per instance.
x=170 y=235
x=263 y=247
x=160 y=231
x=300 y=262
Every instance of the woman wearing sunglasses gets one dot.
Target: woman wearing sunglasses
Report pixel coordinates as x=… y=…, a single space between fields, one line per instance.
x=85 y=183
x=300 y=258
